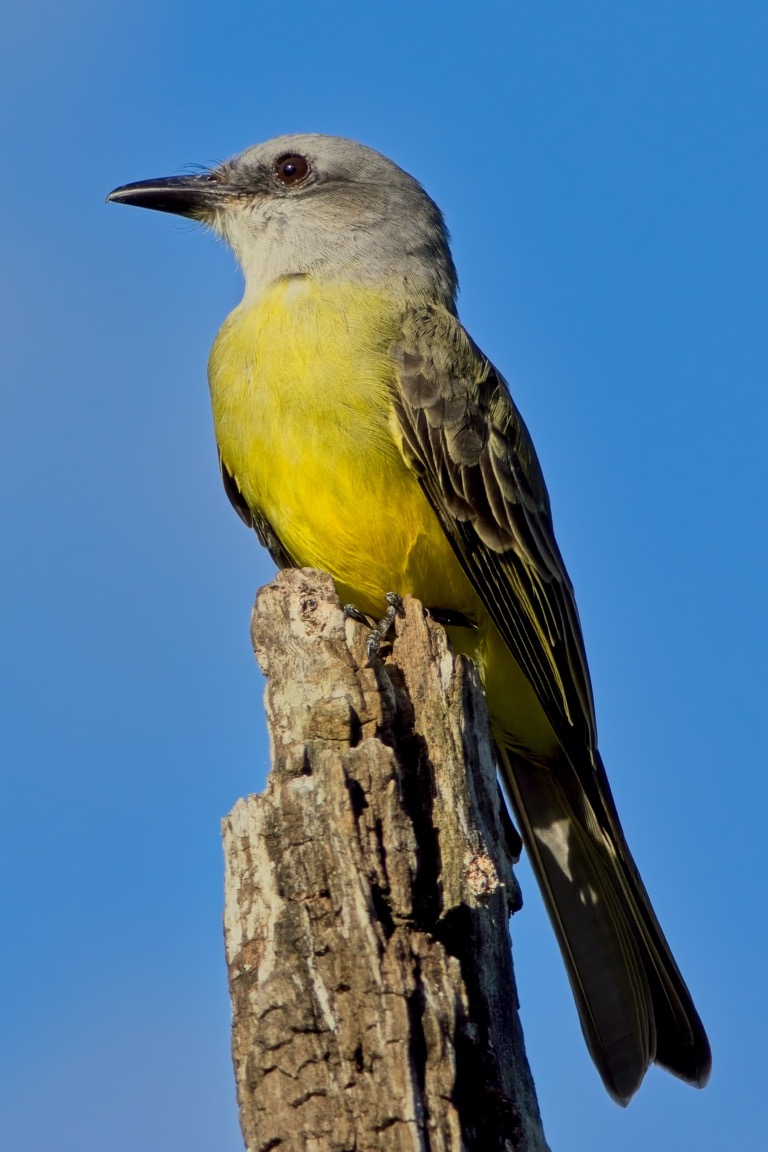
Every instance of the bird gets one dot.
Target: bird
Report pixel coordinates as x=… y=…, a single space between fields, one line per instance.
x=361 y=431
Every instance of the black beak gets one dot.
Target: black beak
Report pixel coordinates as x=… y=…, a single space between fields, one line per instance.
x=195 y=196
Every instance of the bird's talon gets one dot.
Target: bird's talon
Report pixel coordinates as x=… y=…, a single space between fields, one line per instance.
x=350 y=612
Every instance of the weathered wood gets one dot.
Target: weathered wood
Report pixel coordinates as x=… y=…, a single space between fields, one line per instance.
x=368 y=891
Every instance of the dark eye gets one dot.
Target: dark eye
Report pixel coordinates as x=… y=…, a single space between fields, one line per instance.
x=291 y=169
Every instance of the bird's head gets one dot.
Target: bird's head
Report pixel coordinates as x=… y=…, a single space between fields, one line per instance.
x=314 y=205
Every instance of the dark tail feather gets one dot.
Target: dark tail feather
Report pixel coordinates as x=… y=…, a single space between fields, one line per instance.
x=633 y=1003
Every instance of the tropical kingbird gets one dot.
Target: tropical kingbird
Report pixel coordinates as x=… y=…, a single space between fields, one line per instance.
x=361 y=431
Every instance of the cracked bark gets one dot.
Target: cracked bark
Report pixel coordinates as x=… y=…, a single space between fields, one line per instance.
x=368 y=891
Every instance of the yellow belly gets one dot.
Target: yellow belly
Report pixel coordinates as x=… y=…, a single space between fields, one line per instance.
x=301 y=388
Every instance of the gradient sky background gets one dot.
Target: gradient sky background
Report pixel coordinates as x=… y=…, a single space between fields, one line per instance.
x=603 y=170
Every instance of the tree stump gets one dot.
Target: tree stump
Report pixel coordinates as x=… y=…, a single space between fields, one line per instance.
x=368 y=891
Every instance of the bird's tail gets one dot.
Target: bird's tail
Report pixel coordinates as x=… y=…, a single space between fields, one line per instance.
x=633 y=1004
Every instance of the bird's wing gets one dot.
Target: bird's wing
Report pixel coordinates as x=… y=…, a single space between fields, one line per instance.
x=463 y=435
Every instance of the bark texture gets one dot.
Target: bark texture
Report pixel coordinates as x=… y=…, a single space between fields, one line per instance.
x=368 y=892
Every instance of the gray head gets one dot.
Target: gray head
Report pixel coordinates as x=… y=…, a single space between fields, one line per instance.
x=314 y=205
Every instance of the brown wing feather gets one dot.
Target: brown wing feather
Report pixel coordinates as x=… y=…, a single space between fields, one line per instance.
x=476 y=463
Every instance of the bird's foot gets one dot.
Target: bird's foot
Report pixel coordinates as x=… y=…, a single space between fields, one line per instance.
x=380 y=630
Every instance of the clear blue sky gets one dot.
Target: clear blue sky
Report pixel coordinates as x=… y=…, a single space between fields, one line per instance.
x=603 y=170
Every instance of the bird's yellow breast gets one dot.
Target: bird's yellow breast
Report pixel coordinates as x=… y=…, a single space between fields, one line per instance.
x=301 y=386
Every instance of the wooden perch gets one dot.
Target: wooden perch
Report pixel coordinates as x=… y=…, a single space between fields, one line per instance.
x=368 y=892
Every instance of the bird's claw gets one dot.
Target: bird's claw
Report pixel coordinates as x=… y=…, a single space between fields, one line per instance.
x=381 y=631
x=350 y=612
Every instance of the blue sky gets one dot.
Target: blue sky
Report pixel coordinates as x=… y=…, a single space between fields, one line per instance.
x=603 y=171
